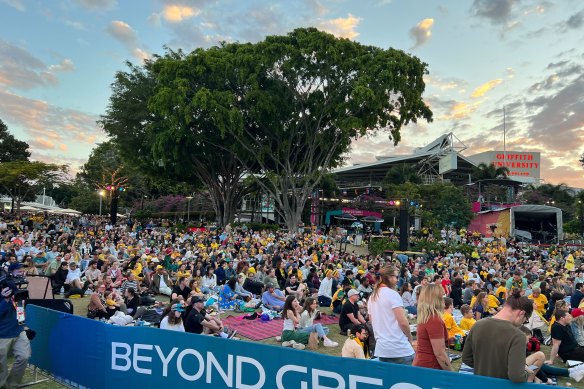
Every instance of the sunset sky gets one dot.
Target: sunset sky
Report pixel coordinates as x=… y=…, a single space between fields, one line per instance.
x=58 y=59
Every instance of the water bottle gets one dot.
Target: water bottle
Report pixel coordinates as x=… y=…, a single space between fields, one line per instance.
x=62 y=290
x=457 y=343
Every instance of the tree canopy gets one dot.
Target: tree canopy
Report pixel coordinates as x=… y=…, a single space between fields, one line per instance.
x=283 y=111
x=22 y=178
x=11 y=149
x=488 y=171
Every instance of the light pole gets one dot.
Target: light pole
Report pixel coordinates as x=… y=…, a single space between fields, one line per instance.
x=581 y=218
x=101 y=194
x=189 y=198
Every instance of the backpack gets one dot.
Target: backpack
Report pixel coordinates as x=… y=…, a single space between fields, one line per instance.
x=533 y=344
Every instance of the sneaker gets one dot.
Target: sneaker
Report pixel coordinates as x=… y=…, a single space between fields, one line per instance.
x=577 y=373
x=330 y=343
x=288 y=343
x=298 y=346
x=232 y=334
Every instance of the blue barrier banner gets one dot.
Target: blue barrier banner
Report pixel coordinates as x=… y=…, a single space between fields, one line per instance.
x=98 y=355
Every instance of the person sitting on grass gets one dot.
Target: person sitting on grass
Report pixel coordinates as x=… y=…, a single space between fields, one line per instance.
x=451 y=326
x=480 y=306
x=273 y=298
x=306 y=324
x=173 y=320
x=96 y=308
x=537 y=358
x=228 y=298
x=563 y=343
x=198 y=321
x=290 y=335
x=350 y=313
x=356 y=346
x=467 y=320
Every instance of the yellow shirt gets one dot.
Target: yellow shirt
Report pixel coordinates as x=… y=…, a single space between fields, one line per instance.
x=451 y=326
x=569 y=263
x=540 y=302
x=501 y=292
x=185 y=274
x=467 y=323
x=493 y=302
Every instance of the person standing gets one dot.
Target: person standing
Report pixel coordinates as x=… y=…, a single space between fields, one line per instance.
x=495 y=347
x=12 y=338
x=432 y=333
x=394 y=342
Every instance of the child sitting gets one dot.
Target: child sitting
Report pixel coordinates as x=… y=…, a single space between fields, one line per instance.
x=451 y=326
x=467 y=320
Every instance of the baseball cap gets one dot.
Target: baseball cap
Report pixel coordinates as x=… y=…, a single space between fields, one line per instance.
x=269 y=285
x=577 y=312
x=352 y=292
x=197 y=299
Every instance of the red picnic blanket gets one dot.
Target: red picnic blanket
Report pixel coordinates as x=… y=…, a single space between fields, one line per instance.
x=259 y=330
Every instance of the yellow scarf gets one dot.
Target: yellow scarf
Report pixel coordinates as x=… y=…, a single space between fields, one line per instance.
x=360 y=343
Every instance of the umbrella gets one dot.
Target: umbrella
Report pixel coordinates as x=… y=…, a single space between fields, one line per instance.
x=357 y=225
x=372 y=219
x=346 y=216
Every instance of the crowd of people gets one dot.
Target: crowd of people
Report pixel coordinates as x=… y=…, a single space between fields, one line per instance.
x=476 y=303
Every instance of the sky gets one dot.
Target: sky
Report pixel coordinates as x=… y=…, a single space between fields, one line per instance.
x=58 y=59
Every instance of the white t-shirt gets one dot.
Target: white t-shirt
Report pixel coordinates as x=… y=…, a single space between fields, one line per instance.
x=390 y=339
x=164 y=325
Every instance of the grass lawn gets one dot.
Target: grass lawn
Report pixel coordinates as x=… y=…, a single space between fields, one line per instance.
x=80 y=308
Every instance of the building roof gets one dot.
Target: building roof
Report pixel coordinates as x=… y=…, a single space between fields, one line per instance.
x=374 y=172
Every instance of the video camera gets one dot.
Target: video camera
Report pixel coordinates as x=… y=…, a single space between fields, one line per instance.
x=6 y=282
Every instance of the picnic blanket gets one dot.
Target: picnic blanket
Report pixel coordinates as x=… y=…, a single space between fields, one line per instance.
x=259 y=330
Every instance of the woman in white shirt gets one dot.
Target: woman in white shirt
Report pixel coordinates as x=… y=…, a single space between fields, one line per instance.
x=306 y=323
x=173 y=321
x=209 y=281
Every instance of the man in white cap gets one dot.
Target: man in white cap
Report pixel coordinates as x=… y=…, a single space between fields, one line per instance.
x=350 y=314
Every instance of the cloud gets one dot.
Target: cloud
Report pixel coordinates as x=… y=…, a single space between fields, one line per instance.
x=41 y=143
x=16 y=4
x=341 y=27
x=174 y=13
x=483 y=89
x=316 y=7
x=97 y=5
x=75 y=24
x=496 y=11
x=559 y=123
x=445 y=84
x=49 y=129
x=125 y=34
x=421 y=32
x=575 y=21
x=21 y=70
x=459 y=110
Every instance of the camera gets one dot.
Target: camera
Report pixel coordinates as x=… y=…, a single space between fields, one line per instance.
x=6 y=282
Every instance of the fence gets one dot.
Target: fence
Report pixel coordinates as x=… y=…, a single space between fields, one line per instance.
x=92 y=354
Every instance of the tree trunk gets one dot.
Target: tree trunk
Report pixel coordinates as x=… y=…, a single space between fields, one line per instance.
x=114 y=208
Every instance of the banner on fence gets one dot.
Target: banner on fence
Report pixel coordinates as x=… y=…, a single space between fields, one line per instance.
x=97 y=355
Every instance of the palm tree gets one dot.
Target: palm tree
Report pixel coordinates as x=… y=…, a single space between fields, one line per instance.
x=400 y=174
x=486 y=171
